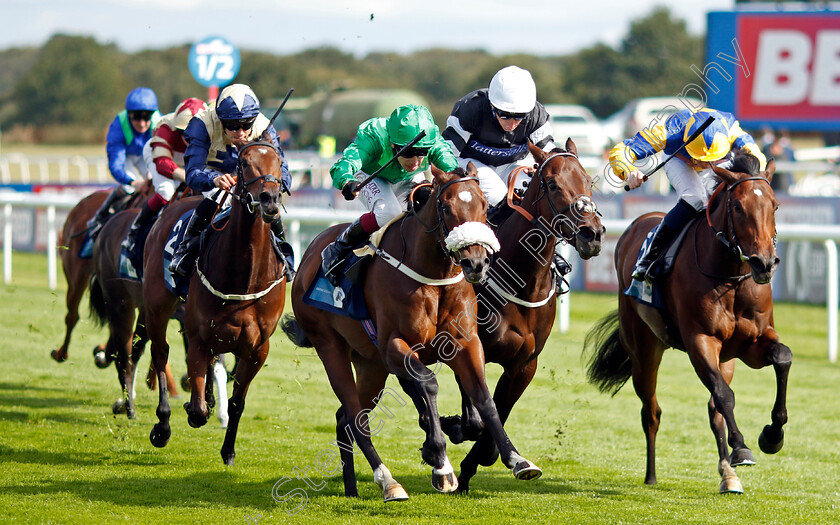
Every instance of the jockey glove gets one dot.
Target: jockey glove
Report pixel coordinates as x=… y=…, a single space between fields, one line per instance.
x=349 y=189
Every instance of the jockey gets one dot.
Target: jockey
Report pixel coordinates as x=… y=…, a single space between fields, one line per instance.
x=491 y=128
x=385 y=197
x=164 y=157
x=128 y=133
x=213 y=137
x=690 y=173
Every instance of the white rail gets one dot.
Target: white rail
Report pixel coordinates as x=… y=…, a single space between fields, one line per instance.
x=829 y=235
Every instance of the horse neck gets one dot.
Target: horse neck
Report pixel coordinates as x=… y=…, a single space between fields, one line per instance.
x=244 y=250
x=424 y=253
x=532 y=267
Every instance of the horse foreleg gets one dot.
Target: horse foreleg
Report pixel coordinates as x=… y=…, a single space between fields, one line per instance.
x=119 y=342
x=772 y=437
x=159 y=436
x=466 y=427
x=76 y=284
x=729 y=482
x=468 y=364
x=198 y=359
x=220 y=378
x=421 y=384
x=248 y=367
x=509 y=389
x=704 y=352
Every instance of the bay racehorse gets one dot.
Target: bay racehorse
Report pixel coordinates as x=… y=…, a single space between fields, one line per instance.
x=77 y=270
x=517 y=305
x=235 y=298
x=423 y=312
x=718 y=307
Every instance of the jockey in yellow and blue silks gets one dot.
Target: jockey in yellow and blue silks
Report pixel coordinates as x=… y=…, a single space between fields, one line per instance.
x=213 y=136
x=127 y=134
x=689 y=173
x=377 y=141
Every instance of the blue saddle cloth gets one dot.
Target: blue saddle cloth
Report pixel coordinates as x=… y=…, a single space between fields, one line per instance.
x=346 y=299
x=86 y=251
x=642 y=291
x=175 y=283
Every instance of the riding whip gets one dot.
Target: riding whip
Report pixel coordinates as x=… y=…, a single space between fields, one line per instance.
x=693 y=136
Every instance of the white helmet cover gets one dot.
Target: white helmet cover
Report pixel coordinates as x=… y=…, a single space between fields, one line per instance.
x=513 y=90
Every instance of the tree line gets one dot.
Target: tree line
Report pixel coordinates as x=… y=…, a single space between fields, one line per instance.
x=69 y=89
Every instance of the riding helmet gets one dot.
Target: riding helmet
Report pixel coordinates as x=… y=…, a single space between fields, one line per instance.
x=406 y=122
x=512 y=90
x=141 y=99
x=237 y=102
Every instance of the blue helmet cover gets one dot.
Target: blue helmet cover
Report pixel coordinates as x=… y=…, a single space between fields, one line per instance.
x=141 y=99
x=237 y=101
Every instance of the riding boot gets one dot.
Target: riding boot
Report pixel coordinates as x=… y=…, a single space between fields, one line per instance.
x=561 y=268
x=116 y=200
x=284 y=248
x=143 y=219
x=183 y=259
x=333 y=256
x=671 y=226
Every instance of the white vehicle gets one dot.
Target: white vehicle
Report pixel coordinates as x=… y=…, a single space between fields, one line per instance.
x=644 y=112
x=578 y=122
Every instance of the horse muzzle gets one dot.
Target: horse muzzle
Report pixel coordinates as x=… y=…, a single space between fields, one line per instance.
x=474 y=264
x=762 y=269
x=588 y=241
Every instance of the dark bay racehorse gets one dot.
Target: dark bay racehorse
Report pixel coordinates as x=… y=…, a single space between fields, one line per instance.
x=517 y=306
x=235 y=298
x=77 y=271
x=718 y=307
x=422 y=315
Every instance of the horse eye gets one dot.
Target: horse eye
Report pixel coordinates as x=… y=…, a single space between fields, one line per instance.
x=446 y=210
x=737 y=207
x=552 y=185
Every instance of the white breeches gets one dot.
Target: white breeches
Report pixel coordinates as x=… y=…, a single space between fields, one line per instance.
x=493 y=181
x=385 y=199
x=164 y=186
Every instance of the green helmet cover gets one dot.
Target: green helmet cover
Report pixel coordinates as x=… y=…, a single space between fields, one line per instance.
x=406 y=122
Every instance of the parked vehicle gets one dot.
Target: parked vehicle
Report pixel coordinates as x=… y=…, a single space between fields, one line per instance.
x=579 y=123
x=644 y=112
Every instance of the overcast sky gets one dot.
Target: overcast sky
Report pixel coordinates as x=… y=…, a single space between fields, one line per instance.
x=357 y=26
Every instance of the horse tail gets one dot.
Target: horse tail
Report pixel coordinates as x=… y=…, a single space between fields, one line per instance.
x=98 y=308
x=294 y=332
x=609 y=365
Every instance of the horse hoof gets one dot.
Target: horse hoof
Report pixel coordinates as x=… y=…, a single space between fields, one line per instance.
x=224 y=422
x=444 y=483
x=526 y=470
x=395 y=492
x=742 y=456
x=731 y=485
x=131 y=413
x=59 y=358
x=451 y=426
x=229 y=460
x=195 y=419
x=100 y=359
x=767 y=445
x=185 y=382
x=119 y=406
x=159 y=436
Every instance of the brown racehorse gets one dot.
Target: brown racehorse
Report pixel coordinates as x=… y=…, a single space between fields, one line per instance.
x=236 y=294
x=423 y=312
x=718 y=306
x=517 y=306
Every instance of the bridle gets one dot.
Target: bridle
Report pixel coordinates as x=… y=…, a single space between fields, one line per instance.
x=241 y=192
x=582 y=204
x=439 y=230
x=731 y=243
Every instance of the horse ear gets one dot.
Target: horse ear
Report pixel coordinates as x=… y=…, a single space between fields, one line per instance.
x=472 y=171
x=436 y=172
x=440 y=176
x=570 y=146
x=727 y=176
x=770 y=170
x=538 y=153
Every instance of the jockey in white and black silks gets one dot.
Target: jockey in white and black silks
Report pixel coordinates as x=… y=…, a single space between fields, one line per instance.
x=164 y=158
x=690 y=172
x=127 y=134
x=213 y=136
x=491 y=128
x=385 y=197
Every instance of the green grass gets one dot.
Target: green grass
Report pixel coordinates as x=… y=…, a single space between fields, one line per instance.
x=66 y=459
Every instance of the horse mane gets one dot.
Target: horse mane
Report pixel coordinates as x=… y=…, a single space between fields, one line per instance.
x=745 y=162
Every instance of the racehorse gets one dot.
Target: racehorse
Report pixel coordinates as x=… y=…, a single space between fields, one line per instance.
x=423 y=312
x=77 y=270
x=113 y=301
x=718 y=306
x=235 y=297
x=517 y=306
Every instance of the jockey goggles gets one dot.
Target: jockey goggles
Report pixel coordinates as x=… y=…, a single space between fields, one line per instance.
x=504 y=115
x=234 y=125
x=139 y=115
x=411 y=152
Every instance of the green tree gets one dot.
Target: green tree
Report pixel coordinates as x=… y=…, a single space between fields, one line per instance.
x=74 y=80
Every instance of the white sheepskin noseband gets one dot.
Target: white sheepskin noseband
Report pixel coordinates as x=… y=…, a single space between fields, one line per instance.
x=471 y=233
